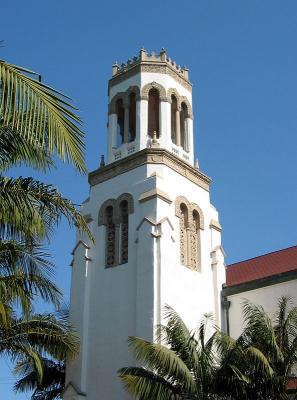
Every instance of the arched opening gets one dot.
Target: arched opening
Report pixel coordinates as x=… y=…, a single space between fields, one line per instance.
x=124 y=231
x=153 y=112
x=173 y=118
x=183 y=127
x=120 y=111
x=132 y=117
x=110 y=237
x=184 y=234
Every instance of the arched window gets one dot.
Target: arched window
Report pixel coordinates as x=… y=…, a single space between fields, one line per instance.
x=173 y=118
x=153 y=112
x=195 y=241
x=184 y=218
x=191 y=222
x=124 y=231
x=120 y=111
x=132 y=116
x=114 y=216
x=110 y=237
x=183 y=127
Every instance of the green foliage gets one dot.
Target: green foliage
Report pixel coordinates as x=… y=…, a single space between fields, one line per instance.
x=52 y=384
x=40 y=115
x=37 y=125
x=208 y=364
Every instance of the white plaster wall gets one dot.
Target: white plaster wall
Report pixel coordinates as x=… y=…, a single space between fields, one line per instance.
x=128 y=299
x=79 y=298
x=265 y=296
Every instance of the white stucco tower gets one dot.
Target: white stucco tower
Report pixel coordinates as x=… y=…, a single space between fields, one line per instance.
x=158 y=238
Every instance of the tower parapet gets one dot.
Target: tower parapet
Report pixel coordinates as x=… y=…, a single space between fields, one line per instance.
x=146 y=58
x=150 y=104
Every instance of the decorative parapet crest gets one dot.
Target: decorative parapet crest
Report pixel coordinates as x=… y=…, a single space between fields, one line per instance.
x=150 y=62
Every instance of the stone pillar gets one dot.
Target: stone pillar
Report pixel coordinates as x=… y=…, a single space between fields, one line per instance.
x=138 y=116
x=177 y=127
x=187 y=139
x=190 y=140
x=112 y=135
x=143 y=114
x=126 y=124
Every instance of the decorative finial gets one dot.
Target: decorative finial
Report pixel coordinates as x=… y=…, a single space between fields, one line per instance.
x=197 y=164
x=142 y=53
x=186 y=72
x=154 y=140
x=115 y=68
x=102 y=162
x=163 y=54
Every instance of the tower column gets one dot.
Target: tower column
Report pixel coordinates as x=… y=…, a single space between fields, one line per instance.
x=177 y=127
x=112 y=133
x=138 y=114
x=143 y=122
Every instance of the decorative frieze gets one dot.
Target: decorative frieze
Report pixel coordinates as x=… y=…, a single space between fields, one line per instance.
x=157 y=67
x=149 y=156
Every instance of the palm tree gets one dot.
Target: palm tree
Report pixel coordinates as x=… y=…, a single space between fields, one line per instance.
x=52 y=385
x=276 y=337
x=37 y=125
x=183 y=367
x=198 y=365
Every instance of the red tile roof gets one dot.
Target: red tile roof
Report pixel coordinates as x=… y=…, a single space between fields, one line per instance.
x=292 y=384
x=264 y=266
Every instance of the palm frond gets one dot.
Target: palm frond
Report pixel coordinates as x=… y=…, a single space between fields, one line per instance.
x=16 y=150
x=50 y=387
x=41 y=114
x=162 y=360
x=147 y=385
x=29 y=208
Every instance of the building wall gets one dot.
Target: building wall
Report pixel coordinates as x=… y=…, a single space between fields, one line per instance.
x=128 y=299
x=264 y=296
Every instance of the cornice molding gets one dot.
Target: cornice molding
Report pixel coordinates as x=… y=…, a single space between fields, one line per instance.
x=152 y=67
x=215 y=225
x=149 y=156
x=154 y=193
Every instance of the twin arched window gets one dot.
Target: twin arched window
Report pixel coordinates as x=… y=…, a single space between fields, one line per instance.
x=191 y=222
x=114 y=215
x=179 y=124
x=126 y=119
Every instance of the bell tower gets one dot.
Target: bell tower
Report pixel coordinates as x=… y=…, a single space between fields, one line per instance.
x=158 y=238
x=150 y=102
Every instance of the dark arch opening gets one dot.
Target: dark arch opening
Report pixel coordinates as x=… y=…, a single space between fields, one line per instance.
x=183 y=130
x=120 y=111
x=173 y=118
x=132 y=117
x=153 y=112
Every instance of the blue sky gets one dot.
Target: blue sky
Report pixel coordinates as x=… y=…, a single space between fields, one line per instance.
x=242 y=57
